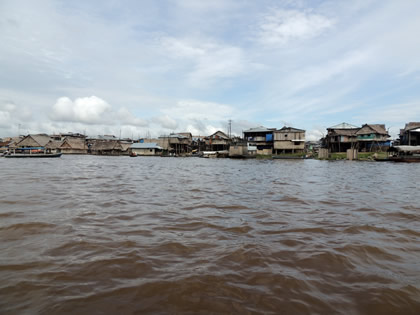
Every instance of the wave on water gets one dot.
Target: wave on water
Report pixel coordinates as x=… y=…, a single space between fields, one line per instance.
x=199 y=236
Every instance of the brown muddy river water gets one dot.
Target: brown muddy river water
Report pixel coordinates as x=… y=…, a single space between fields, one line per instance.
x=120 y=235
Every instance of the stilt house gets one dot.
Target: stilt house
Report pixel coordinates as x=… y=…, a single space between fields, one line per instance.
x=289 y=140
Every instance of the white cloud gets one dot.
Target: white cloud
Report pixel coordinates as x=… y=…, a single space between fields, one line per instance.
x=166 y=122
x=323 y=64
x=88 y=110
x=6 y=110
x=4 y=119
x=201 y=129
x=12 y=115
x=206 y=6
x=315 y=75
x=207 y=61
x=181 y=48
x=282 y=26
x=125 y=117
x=315 y=134
x=7 y=107
x=199 y=110
x=219 y=62
x=395 y=113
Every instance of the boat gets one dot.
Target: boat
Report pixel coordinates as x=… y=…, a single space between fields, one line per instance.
x=405 y=153
x=35 y=155
x=32 y=152
x=215 y=154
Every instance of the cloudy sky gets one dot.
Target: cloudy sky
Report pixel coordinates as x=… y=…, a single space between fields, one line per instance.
x=155 y=67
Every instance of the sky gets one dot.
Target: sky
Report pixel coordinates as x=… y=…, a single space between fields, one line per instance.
x=147 y=68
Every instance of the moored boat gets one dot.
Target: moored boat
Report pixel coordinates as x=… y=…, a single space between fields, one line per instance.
x=406 y=159
x=405 y=153
x=31 y=152
x=34 y=155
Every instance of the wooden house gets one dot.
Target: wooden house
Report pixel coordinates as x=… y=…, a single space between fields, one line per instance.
x=53 y=146
x=33 y=141
x=90 y=141
x=146 y=149
x=177 y=143
x=198 y=144
x=341 y=137
x=106 y=147
x=289 y=140
x=187 y=135
x=125 y=145
x=4 y=146
x=262 y=138
x=218 y=141
x=372 y=137
x=73 y=145
x=410 y=135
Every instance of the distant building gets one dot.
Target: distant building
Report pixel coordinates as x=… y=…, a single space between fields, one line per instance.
x=372 y=138
x=106 y=147
x=62 y=136
x=198 y=144
x=218 y=141
x=53 y=146
x=341 y=137
x=260 y=137
x=368 y=138
x=32 y=141
x=125 y=147
x=312 y=146
x=289 y=140
x=186 y=134
x=74 y=145
x=146 y=149
x=4 y=145
x=177 y=143
x=410 y=135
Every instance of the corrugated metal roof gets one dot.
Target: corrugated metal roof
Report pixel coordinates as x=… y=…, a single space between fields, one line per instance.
x=173 y=135
x=220 y=134
x=151 y=145
x=290 y=129
x=260 y=129
x=343 y=126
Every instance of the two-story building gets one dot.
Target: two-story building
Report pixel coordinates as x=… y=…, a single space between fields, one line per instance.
x=218 y=141
x=341 y=137
x=288 y=140
x=372 y=137
x=410 y=135
x=260 y=137
x=176 y=143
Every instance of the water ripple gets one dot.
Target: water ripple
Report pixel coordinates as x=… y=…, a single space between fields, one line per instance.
x=198 y=236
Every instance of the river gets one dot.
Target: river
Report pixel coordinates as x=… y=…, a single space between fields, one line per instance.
x=96 y=235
